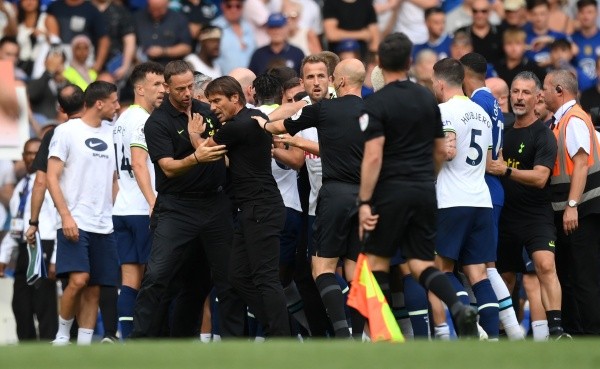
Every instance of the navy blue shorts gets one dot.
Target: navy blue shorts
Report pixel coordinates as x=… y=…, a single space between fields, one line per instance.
x=94 y=253
x=466 y=234
x=310 y=237
x=132 y=233
x=290 y=234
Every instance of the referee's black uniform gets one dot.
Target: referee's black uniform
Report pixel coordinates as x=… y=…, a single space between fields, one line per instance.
x=255 y=258
x=341 y=145
x=192 y=211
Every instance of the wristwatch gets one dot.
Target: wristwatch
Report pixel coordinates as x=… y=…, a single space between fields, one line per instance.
x=572 y=203
x=508 y=172
x=360 y=202
x=34 y=222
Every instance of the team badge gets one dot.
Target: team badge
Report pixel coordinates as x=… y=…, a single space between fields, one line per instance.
x=363 y=121
x=587 y=50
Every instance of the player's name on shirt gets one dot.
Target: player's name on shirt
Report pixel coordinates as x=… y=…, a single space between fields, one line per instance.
x=471 y=115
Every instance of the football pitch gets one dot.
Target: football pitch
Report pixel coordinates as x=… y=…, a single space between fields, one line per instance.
x=315 y=354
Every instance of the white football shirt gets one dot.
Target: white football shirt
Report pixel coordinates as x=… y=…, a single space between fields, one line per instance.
x=314 y=169
x=461 y=181
x=286 y=177
x=89 y=165
x=128 y=132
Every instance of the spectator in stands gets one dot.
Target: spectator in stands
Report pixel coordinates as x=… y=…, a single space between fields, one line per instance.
x=121 y=31
x=78 y=73
x=348 y=49
x=351 y=20
x=485 y=37
x=590 y=98
x=515 y=14
x=386 y=11
x=587 y=40
x=304 y=38
x=210 y=49
x=310 y=16
x=539 y=34
x=70 y=18
x=162 y=34
x=43 y=91
x=439 y=41
x=237 y=41
x=278 y=51
x=410 y=19
x=256 y=13
x=32 y=37
x=200 y=13
x=561 y=55
x=9 y=50
x=200 y=83
x=516 y=61
x=462 y=16
x=8 y=19
x=560 y=21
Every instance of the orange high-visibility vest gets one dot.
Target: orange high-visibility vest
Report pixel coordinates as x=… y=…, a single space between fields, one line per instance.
x=560 y=181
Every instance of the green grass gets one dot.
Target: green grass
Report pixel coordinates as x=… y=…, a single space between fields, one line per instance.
x=316 y=354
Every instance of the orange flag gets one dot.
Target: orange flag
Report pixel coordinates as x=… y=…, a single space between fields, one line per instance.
x=366 y=297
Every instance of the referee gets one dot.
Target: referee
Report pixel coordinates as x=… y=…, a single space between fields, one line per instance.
x=191 y=212
x=341 y=146
x=403 y=132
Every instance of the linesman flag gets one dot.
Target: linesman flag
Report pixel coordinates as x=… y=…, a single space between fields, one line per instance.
x=366 y=297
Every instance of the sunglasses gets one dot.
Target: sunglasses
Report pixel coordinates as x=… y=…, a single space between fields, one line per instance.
x=233 y=5
x=484 y=11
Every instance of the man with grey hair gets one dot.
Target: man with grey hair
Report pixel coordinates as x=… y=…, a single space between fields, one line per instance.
x=527 y=219
x=575 y=185
x=200 y=82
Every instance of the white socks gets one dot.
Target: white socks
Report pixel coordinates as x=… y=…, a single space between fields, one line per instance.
x=540 y=330
x=84 y=336
x=508 y=318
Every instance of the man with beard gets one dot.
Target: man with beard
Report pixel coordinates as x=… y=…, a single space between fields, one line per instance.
x=192 y=205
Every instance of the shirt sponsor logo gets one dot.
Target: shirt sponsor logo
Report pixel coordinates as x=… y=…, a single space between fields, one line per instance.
x=96 y=144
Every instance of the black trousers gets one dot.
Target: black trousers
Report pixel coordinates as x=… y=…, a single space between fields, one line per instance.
x=34 y=301
x=184 y=224
x=578 y=269
x=255 y=265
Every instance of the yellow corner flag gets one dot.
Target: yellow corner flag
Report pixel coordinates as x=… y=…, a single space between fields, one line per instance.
x=366 y=297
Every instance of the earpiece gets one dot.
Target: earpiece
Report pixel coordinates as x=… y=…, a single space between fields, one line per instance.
x=558 y=89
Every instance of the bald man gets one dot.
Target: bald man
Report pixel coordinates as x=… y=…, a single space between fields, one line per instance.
x=500 y=91
x=245 y=77
x=341 y=146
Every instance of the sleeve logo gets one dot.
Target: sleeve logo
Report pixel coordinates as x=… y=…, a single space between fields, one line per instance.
x=363 y=121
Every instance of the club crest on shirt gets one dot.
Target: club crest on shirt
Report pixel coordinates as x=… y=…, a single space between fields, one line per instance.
x=363 y=121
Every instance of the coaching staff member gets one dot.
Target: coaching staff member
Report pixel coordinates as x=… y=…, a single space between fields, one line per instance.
x=404 y=148
x=341 y=143
x=527 y=219
x=255 y=258
x=191 y=210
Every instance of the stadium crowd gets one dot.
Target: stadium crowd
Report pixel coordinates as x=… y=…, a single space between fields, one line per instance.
x=212 y=168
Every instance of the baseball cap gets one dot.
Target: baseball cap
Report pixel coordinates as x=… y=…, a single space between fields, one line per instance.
x=276 y=20
x=513 y=5
x=347 y=45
